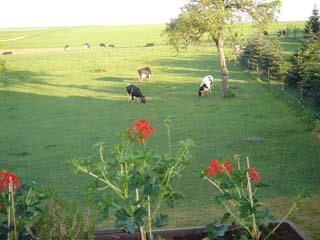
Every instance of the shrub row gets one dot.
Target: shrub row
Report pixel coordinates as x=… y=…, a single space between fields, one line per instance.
x=304 y=72
x=264 y=55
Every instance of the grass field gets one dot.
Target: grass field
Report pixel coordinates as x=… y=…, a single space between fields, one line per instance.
x=54 y=105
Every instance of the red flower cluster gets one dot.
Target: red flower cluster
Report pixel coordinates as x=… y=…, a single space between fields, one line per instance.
x=217 y=166
x=6 y=178
x=253 y=174
x=141 y=129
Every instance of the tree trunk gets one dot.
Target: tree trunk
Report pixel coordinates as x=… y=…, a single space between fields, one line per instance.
x=223 y=67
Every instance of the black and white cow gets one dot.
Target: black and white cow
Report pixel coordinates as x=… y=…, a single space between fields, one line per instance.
x=135 y=93
x=206 y=85
x=86 y=46
x=144 y=73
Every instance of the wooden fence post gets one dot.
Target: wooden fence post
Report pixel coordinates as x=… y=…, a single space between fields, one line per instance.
x=301 y=91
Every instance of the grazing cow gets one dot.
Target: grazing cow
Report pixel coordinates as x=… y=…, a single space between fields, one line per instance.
x=111 y=46
x=144 y=73
x=66 y=47
x=7 y=53
x=149 y=45
x=86 y=46
x=102 y=45
x=236 y=49
x=279 y=33
x=206 y=85
x=135 y=93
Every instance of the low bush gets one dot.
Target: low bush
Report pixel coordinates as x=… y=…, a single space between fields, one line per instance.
x=64 y=219
x=31 y=212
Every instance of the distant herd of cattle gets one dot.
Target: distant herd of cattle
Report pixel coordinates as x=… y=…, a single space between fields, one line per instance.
x=101 y=45
x=87 y=46
x=134 y=93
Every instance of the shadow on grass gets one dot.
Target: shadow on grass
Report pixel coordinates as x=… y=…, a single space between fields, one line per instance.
x=290 y=45
x=113 y=79
x=196 y=66
x=37 y=81
x=22 y=78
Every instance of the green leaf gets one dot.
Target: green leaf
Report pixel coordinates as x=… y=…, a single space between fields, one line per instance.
x=225 y=217
x=211 y=230
x=160 y=220
x=122 y=214
x=139 y=215
x=214 y=231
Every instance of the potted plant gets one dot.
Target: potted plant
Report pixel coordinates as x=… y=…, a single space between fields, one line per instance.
x=236 y=192
x=135 y=181
x=34 y=212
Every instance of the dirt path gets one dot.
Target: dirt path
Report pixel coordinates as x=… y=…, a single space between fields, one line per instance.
x=16 y=38
x=34 y=50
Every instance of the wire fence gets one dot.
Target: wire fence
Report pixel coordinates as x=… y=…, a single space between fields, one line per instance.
x=277 y=86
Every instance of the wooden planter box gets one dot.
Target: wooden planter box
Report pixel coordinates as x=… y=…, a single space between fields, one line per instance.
x=287 y=231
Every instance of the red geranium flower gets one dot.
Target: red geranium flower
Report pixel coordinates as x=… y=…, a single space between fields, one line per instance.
x=213 y=168
x=254 y=175
x=216 y=167
x=1 y=206
x=6 y=178
x=228 y=166
x=141 y=129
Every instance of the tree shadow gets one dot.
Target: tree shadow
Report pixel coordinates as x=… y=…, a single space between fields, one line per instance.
x=290 y=45
x=22 y=78
x=34 y=81
x=195 y=66
x=113 y=79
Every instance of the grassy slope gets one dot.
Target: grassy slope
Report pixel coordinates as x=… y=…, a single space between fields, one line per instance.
x=55 y=106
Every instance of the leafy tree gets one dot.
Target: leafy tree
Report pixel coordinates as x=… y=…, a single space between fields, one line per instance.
x=313 y=25
x=214 y=17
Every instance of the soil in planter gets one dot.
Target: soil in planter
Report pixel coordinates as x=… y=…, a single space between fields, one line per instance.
x=287 y=231
x=284 y=232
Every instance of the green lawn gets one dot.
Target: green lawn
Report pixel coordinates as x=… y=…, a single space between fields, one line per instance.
x=55 y=105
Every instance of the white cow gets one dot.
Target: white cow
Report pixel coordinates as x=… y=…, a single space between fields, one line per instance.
x=206 y=85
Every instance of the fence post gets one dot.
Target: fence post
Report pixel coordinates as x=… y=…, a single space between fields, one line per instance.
x=301 y=91
x=248 y=66
x=268 y=73
x=257 y=69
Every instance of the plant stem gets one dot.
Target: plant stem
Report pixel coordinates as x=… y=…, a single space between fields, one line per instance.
x=149 y=218
x=255 y=230
x=169 y=139
x=137 y=196
x=241 y=222
x=282 y=220
x=106 y=181
x=9 y=216
x=142 y=234
x=12 y=211
x=104 y=171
